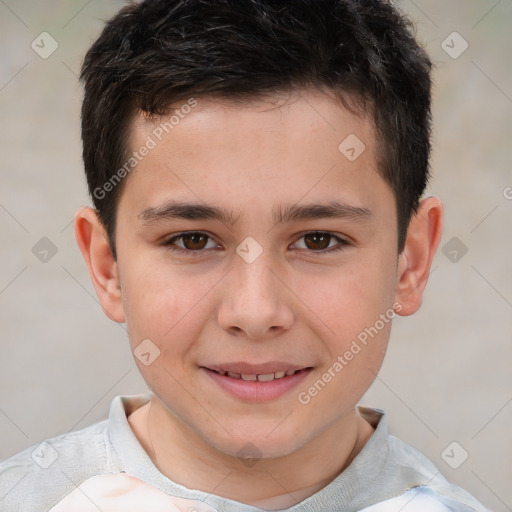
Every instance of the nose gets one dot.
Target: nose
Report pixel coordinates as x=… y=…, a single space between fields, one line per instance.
x=255 y=301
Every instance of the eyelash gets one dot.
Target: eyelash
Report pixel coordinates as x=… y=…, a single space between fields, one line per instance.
x=169 y=243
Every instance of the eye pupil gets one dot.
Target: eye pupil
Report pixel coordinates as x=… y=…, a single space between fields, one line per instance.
x=321 y=239
x=198 y=241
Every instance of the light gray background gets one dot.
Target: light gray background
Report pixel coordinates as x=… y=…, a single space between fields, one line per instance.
x=447 y=374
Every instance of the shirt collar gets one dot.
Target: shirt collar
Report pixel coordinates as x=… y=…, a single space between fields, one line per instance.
x=339 y=493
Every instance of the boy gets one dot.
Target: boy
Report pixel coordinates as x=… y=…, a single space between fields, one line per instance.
x=256 y=169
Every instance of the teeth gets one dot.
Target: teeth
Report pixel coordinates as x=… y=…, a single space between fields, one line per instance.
x=261 y=378
x=266 y=378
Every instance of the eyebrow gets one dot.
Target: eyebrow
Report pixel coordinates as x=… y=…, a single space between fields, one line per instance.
x=282 y=214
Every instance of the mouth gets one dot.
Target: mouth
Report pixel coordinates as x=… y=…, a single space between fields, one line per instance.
x=257 y=383
x=260 y=377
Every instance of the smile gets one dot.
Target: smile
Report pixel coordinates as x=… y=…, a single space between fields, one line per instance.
x=256 y=387
x=266 y=377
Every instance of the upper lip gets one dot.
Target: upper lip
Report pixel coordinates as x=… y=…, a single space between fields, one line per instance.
x=255 y=369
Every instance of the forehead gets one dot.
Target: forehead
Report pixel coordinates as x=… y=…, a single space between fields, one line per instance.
x=284 y=150
x=295 y=117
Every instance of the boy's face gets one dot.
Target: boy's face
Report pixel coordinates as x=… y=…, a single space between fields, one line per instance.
x=283 y=295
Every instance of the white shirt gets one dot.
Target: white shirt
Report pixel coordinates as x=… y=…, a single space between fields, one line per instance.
x=104 y=467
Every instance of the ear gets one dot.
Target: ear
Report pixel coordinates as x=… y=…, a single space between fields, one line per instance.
x=414 y=262
x=93 y=242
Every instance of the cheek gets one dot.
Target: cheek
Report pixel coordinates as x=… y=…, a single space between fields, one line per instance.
x=164 y=304
x=164 y=317
x=350 y=299
x=356 y=313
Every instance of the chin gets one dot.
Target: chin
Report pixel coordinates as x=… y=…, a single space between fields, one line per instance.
x=264 y=443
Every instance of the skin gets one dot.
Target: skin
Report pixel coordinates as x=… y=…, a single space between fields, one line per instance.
x=295 y=303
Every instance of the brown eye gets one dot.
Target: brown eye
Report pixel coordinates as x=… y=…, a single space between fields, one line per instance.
x=321 y=242
x=195 y=241
x=317 y=241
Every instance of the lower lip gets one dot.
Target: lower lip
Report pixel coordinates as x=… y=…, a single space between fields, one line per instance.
x=255 y=391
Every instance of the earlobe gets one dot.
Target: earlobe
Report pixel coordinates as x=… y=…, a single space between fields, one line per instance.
x=415 y=261
x=93 y=242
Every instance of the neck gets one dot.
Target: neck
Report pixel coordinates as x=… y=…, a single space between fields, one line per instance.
x=187 y=459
